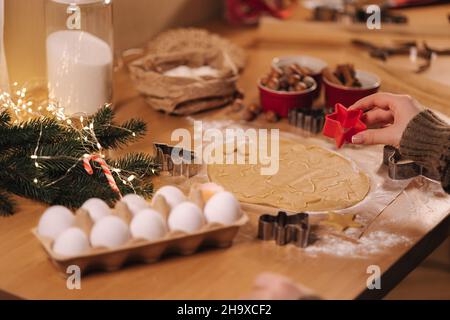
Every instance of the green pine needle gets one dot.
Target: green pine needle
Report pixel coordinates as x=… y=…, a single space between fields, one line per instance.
x=5 y=118
x=6 y=205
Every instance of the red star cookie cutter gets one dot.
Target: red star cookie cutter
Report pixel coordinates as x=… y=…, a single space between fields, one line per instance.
x=343 y=124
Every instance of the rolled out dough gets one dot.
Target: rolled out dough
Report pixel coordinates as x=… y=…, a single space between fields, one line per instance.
x=310 y=178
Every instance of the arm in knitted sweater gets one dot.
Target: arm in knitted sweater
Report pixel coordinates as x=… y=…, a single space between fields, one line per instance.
x=426 y=141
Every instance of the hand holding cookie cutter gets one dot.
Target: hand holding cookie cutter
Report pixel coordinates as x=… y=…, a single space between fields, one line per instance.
x=285 y=229
x=401 y=169
x=343 y=124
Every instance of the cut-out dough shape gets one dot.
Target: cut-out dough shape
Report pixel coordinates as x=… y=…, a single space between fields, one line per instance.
x=341 y=222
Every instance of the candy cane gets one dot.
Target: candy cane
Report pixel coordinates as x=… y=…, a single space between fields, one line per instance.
x=96 y=158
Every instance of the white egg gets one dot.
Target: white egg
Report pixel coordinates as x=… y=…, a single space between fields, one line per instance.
x=223 y=207
x=149 y=225
x=173 y=195
x=71 y=243
x=185 y=217
x=97 y=209
x=210 y=189
x=55 y=220
x=110 y=232
x=135 y=203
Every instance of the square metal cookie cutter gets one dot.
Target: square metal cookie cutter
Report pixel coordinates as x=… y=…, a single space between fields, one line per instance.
x=401 y=169
x=176 y=161
x=285 y=229
x=307 y=119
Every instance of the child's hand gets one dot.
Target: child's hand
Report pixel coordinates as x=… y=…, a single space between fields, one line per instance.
x=389 y=114
x=270 y=286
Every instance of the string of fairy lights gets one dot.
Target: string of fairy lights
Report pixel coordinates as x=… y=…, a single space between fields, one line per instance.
x=24 y=108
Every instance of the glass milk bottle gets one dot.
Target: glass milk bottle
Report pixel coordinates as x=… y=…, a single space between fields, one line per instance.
x=79 y=47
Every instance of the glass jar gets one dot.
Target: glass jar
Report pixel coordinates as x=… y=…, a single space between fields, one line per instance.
x=79 y=46
x=4 y=83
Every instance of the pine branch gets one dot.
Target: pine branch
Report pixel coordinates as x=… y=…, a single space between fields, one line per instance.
x=25 y=134
x=5 y=119
x=141 y=164
x=6 y=204
x=112 y=137
x=103 y=117
x=87 y=187
x=57 y=175
x=145 y=189
x=25 y=186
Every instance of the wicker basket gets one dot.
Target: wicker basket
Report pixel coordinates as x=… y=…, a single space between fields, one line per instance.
x=193 y=48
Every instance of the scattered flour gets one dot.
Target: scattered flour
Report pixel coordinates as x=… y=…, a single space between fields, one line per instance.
x=372 y=244
x=186 y=72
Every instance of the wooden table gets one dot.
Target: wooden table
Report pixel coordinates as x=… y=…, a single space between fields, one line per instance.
x=25 y=271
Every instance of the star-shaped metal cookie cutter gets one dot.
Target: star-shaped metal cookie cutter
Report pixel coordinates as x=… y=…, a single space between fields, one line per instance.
x=284 y=228
x=401 y=169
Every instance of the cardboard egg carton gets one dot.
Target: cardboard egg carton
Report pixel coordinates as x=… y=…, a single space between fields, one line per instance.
x=137 y=250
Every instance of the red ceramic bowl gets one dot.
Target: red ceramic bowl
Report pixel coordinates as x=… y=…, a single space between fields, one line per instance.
x=314 y=64
x=347 y=96
x=282 y=101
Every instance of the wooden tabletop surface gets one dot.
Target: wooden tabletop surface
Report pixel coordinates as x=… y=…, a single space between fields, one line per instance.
x=420 y=214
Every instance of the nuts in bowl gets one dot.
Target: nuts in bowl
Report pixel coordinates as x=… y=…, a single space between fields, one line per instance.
x=291 y=78
x=311 y=65
x=346 y=85
x=344 y=75
x=285 y=88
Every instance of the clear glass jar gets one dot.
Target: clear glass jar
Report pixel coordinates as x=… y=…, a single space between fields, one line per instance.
x=79 y=46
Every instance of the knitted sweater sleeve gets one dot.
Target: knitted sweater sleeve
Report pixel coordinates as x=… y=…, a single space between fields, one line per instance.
x=426 y=140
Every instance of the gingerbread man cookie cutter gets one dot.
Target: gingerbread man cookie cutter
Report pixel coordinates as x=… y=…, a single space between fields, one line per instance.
x=401 y=169
x=176 y=161
x=284 y=228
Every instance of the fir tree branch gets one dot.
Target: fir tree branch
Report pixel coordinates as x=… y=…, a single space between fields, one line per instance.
x=112 y=136
x=57 y=175
x=6 y=204
x=5 y=118
x=141 y=164
x=28 y=133
x=103 y=117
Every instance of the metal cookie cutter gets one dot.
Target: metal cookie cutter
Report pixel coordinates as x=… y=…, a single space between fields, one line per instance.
x=285 y=229
x=176 y=161
x=307 y=119
x=401 y=169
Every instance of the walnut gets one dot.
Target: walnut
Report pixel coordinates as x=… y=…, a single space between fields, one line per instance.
x=255 y=108
x=247 y=115
x=272 y=117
